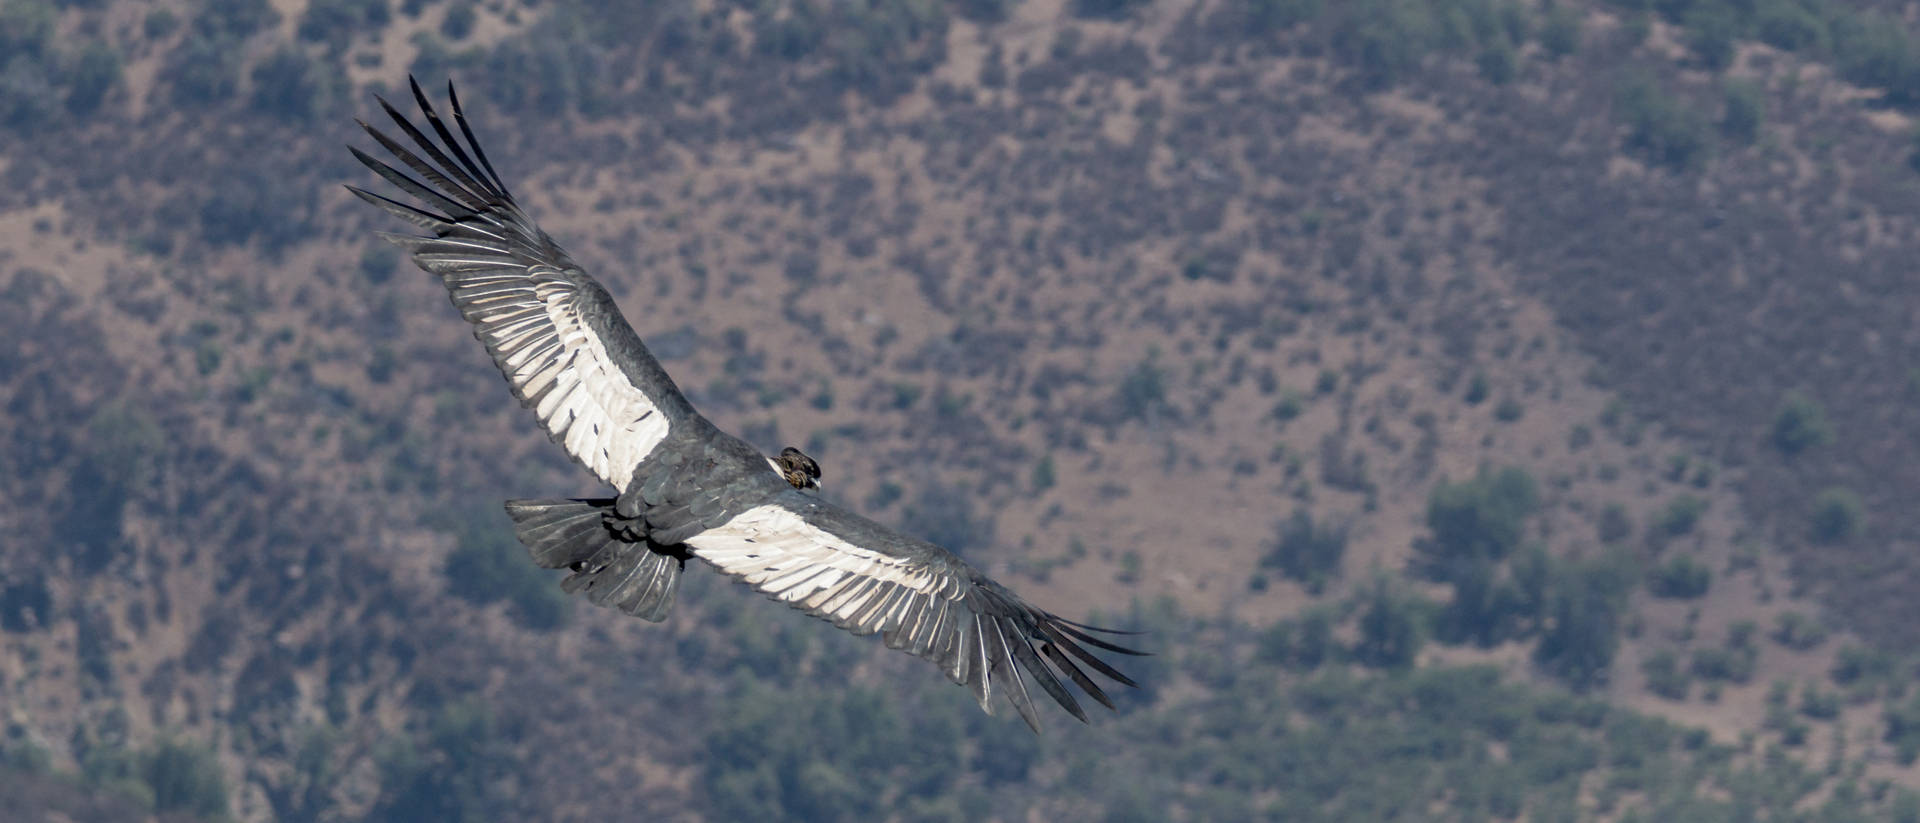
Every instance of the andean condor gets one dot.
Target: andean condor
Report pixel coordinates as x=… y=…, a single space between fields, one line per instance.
x=684 y=487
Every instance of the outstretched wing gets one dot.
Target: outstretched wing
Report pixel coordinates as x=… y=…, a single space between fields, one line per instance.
x=555 y=333
x=867 y=578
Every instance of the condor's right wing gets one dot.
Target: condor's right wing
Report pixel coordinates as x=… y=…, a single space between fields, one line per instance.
x=565 y=349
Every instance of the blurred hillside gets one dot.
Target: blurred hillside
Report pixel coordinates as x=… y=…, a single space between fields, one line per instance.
x=1494 y=410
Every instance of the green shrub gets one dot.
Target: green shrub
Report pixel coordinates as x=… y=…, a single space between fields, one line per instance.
x=1614 y=525
x=986 y=11
x=93 y=647
x=92 y=71
x=1635 y=27
x=1129 y=572
x=1498 y=63
x=126 y=442
x=1560 y=33
x=26 y=604
x=455 y=771
x=1733 y=665
x=184 y=777
x=29 y=99
x=1106 y=8
x=1478 y=518
x=1266 y=15
x=884 y=495
x=1677 y=467
x=378 y=261
x=286 y=85
x=26 y=27
x=1790 y=26
x=1043 y=474
x=1800 y=424
x=854 y=754
x=1291 y=405
x=801 y=268
x=159 y=23
x=1583 y=611
x=795 y=37
x=335 y=22
x=1476 y=526
x=26 y=756
x=1485 y=609
x=946 y=516
x=1746 y=110
x=1391 y=628
x=1710 y=33
x=231 y=20
x=1740 y=635
x=1858 y=664
x=202 y=72
x=1143 y=392
x=1680 y=577
x=206 y=357
x=1903 y=729
x=459 y=20
x=489 y=565
x=111 y=766
x=1307 y=553
x=1872 y=49
x=1200 y=265
x=1905 y=807
x=1303 y=642
x=1384 y=41
x=1665 y=676
x=1837 y=515
x=1477 y=389
x=1799 y=632
x=876 y=47
x=1661 y=127
x=1818 y=704
x=1681 y=515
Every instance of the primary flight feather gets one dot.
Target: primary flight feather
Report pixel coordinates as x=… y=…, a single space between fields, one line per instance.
x=685 y=488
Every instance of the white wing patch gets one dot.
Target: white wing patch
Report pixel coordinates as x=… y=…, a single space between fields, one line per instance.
x=779 y=553
x=560 y=368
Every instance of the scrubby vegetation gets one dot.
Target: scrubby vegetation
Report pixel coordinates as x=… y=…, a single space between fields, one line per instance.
x=1477 y=525
x=1661 y=126
x=489 y=566
x=260 y=423
x=1837 y=515
x=1307 y=552
x=1680 y=576
x=1295 y=734
x=1800 y=424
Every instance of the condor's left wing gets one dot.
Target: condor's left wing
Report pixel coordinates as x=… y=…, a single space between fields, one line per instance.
x=920 y=598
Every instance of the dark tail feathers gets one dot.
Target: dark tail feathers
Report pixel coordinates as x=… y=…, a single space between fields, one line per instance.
x=639 y=578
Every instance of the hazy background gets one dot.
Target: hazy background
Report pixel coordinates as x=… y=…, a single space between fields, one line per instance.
x=1494 y=410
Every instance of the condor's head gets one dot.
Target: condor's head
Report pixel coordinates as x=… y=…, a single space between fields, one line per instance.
x=798 y=469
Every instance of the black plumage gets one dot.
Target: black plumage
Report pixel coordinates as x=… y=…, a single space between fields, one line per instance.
x=685 y=488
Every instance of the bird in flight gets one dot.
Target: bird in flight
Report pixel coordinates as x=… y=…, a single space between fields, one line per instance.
x=684 y=488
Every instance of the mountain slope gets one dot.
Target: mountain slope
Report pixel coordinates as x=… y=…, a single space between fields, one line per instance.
x=1100 y=295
